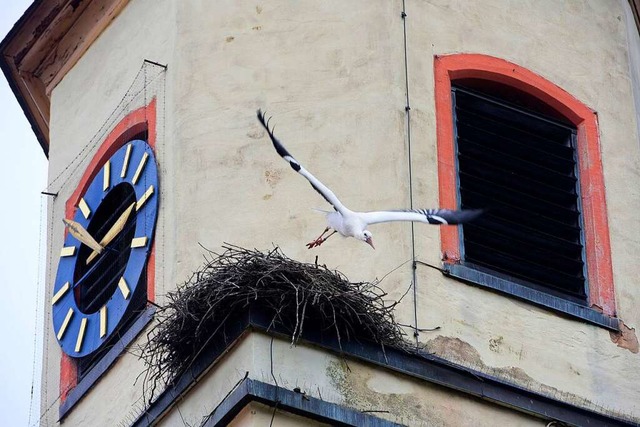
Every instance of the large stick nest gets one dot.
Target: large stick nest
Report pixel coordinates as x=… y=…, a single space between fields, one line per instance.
x=295 y=295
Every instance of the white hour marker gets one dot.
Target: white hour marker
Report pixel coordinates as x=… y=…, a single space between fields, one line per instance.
x=84 y=208
x=143 y=161
x=63 y=328
x=67 y=251
x=63 y=290
x=124 y=288
x=144 y=197
x=125 y=164
x=106 y=177
x=83 y=326
x=103 y=321
x=139 y=242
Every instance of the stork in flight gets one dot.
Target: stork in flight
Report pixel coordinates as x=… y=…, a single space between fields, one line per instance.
x=354 y=224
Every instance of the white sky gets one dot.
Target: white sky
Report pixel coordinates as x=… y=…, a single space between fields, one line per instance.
x=23 y=169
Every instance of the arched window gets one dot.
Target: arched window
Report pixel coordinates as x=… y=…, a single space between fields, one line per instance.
x=513 y=142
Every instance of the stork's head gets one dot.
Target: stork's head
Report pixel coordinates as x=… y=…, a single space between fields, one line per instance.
x=366 y=236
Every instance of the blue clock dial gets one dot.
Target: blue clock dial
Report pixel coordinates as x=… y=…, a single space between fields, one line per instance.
x=99 y=276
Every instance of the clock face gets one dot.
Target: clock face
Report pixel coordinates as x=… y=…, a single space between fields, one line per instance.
x=105 y=252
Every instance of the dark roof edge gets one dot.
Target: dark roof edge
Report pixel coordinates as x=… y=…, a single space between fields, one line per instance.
x=419 y=365
x=295 y=402
x=7 y=70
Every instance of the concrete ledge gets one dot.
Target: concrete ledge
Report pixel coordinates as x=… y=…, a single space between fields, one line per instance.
x=561 y=306
x=419 y=365
x=290 y=401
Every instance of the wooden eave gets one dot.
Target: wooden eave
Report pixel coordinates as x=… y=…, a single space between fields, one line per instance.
x=44 y=45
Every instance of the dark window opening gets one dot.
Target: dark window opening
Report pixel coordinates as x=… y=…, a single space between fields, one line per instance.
x=512 y=96
x=518 y=160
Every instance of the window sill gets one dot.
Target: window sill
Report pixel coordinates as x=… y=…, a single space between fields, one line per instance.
x=105 y=363
x=574 y=310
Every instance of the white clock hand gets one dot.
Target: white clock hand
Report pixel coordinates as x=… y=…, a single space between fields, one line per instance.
x=80 y=233
x=115 y=229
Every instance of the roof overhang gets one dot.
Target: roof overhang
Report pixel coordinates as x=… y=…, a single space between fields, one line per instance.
x=44 y=45
x=51 y=37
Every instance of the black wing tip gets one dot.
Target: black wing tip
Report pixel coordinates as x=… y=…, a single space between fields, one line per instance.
x=468 y=215
x=453 y=217
x=276 y=143
x=262 y=118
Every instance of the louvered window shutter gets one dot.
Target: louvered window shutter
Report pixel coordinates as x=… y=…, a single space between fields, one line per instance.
x=522 y=167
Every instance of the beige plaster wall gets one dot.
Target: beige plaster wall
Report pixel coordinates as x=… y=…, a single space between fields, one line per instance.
x=326 y=376
x=333 y=78
x=338 y=107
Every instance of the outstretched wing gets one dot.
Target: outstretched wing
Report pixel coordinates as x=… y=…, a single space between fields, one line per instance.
x=315 y=182
x=431 y=216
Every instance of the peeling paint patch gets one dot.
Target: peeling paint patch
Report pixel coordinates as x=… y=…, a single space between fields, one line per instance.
x=461 y=352
x=410 y=401
x=355 y=387
x=626 y=338
x=454 y=349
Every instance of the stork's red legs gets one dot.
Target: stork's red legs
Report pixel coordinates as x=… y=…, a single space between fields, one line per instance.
x=320 y=240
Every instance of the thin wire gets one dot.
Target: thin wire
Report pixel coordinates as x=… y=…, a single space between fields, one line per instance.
x=272 y=375
x=51 y=405
x=435 y=267
x=180 y=413
x=145 y=178
x=407 y=109
x=273 y=415
x=161 y=208
x=47 y=330
x=37 y=320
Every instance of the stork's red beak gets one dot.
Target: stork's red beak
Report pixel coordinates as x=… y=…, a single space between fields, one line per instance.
x=370 y=242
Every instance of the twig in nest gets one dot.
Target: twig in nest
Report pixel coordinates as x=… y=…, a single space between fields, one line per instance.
x=294 y=294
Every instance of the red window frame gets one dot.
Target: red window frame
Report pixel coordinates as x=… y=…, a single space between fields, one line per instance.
x=448 y=68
